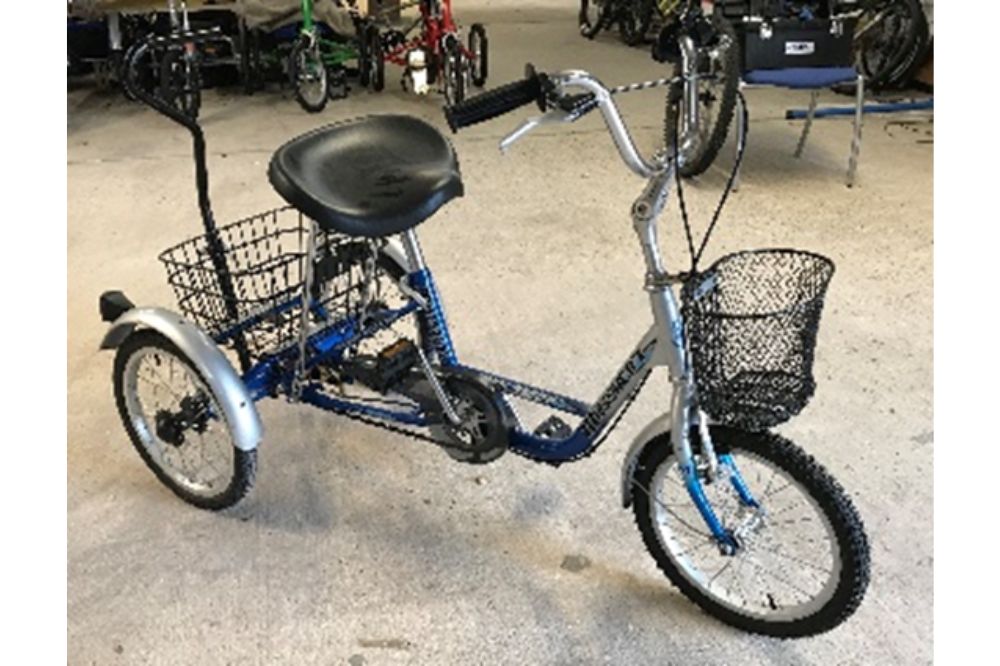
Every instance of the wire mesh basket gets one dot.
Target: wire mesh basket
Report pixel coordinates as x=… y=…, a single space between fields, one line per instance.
x=263 y=259
x=752 y=320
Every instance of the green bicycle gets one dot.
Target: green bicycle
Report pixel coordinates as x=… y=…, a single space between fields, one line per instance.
x=317 y=62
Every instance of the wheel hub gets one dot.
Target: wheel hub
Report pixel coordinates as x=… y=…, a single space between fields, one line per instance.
x=172 y=426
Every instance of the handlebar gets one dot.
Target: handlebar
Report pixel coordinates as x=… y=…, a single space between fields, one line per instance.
x=558 y=106
x=497 y=102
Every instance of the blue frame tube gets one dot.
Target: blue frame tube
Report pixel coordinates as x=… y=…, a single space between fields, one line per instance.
x=435 y=323
x=311 y=394
x=736 y=479
x=896 y=107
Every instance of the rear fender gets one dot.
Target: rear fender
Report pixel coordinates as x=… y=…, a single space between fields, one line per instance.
x=233 y=398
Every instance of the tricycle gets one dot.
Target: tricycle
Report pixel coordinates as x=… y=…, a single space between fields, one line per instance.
x=436 y=53
x=330 y=302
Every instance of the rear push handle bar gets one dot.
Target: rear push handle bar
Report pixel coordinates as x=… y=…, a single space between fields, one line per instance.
x=138 y=50
x=132 y=58
x=548 y=91
x=216 y=250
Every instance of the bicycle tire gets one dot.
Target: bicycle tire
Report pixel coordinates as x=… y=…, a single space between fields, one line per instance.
x=376 y=59
x=907 y=67
x=852 y=549
x=591 y=25
x=297 y=58
x=711 y=146
x=480 y=63
x=634 y=21
x=244 y=464
x=454 y=74
x=879 y=51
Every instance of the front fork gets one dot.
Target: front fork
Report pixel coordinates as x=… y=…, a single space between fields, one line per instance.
x=708 y=466
x=673 y=353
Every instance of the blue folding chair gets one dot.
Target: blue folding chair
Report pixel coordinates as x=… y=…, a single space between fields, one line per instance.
x=814 y=79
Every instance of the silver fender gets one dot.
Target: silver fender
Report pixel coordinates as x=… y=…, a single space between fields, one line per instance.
x=236 y=404
x=658 y=426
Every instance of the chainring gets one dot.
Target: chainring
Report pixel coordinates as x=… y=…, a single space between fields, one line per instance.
x=484 y=434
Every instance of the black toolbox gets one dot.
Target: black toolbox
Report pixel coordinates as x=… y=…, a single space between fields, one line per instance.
x=784 y=43
x=779 y=34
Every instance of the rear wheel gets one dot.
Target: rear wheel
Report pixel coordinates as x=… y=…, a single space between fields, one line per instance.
x=634 y=21
x=309 y=76
x=479 y=48
x=592 y=17
x=716 y=100
x=175 y=423
x=907 y=67
x=374 y=59
x=455 y=72
x=802 y=562
x=884 y=37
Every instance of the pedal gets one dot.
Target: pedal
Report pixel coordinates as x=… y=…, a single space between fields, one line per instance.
x=384 y=370
x=553 y=428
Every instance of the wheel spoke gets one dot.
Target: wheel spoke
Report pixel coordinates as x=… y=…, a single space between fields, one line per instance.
x=161 y=386
x=774 y=576
x=797 y=560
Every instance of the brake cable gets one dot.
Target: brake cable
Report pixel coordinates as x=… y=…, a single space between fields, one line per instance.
x=741 y=149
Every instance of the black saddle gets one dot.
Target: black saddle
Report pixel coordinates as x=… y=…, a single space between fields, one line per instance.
x=374 y=176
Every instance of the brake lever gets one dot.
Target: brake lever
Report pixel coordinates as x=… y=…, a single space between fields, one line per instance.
x=550 y=117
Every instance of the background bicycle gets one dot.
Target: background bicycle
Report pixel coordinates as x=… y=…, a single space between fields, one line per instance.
x=430 y=50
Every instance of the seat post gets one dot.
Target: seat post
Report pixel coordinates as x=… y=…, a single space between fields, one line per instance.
x=414 y=255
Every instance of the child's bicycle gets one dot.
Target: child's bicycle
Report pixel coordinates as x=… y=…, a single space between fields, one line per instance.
x=436 y=53
x=330 y=302
x=318 y=60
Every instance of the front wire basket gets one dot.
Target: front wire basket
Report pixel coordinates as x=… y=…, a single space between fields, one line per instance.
x=265 y=258
x=752 y=320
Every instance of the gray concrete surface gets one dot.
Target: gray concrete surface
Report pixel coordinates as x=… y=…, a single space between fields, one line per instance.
x=359 y=547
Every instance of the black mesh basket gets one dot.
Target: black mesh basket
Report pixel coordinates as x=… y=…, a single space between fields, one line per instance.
x=265 y=258
x=752 y=320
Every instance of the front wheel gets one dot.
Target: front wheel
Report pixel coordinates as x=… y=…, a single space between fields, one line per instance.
x=716 y=100
x=309 y=76
x=175 y=423
x=802 y=562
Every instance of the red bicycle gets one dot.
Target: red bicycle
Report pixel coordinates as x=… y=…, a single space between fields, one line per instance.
x=436 y=54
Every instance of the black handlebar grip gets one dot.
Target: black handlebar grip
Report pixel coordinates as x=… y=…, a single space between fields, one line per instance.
x=494 y=103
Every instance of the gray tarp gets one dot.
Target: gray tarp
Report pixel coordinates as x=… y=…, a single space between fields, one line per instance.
x=276 y=13
x=266 y=14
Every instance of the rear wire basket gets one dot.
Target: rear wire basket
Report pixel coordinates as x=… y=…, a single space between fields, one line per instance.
x=265 y=257
x=752 y=320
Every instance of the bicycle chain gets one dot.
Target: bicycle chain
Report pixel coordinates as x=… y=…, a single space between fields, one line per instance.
x=412 y=434
x=589 y=451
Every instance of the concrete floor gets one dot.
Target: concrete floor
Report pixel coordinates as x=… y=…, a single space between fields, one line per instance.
x=360 y=547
